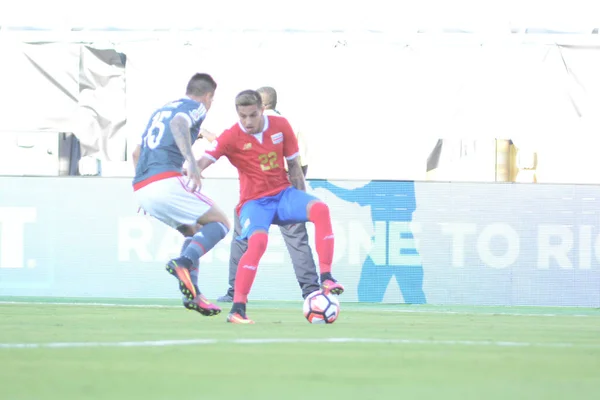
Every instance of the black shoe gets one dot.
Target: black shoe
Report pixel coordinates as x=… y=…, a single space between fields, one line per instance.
x=225 y=299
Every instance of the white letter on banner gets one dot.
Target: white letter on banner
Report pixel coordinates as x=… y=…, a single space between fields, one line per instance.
x=379 y=249
x=458 y=231
x=397 y=243
x=359 y=243
x=559 y=251
x=12 y=234
x=512 y=250
x=585 y=247
x=137 y=243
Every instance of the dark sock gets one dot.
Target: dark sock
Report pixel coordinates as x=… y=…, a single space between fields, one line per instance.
x=186 y=243
x=325 y=276
x=184 y=262
x=203 y=241
x=194 y=270
x=239 y=308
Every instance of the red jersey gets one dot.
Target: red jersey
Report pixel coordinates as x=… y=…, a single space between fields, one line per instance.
x=258 y=158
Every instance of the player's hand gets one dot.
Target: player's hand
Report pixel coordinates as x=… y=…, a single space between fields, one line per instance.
x=184 y=171
x=207 y=135
x=195 y=177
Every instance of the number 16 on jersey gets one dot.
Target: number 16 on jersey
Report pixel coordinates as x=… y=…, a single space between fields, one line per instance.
x=157 y=129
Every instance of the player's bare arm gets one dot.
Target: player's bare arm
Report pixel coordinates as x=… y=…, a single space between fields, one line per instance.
x=181 y=133
x=135 y=155
x=296 y=174
x=204 y=162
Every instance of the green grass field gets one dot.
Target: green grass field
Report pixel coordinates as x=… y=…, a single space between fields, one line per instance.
x=142 y=349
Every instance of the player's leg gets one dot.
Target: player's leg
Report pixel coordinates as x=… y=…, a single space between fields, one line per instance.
x=188 y=232
x=299 y=206
x=238 y=248
x=256 y=217
x=296 y=241
x=169 y=201
x=195 y=268
x=213 y=227
x=200 y=303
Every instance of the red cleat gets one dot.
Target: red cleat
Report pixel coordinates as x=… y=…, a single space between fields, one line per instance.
x=203 y=306
x=238 y=318
x=179 y=271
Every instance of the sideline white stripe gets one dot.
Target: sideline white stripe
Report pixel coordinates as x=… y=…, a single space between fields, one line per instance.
x=348 y=307
x=195 y=342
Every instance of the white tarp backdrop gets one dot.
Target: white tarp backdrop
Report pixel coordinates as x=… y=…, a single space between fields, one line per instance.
x=353 y=76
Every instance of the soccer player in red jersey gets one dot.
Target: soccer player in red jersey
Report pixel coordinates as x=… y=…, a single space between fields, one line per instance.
x=257 y=146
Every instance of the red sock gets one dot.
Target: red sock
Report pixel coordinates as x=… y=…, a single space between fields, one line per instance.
x=257 y=244
x=319 y=215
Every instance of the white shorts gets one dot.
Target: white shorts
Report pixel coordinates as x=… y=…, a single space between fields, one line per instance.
x=170 y=200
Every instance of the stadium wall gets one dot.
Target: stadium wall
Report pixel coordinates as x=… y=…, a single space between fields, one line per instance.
x=396 y=242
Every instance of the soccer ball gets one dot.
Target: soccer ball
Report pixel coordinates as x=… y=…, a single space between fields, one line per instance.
x=321 y=308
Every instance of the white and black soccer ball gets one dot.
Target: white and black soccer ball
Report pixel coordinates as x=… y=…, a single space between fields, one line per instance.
x=321 y=308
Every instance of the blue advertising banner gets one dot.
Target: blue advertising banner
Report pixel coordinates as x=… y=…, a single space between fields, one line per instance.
x=396 y=242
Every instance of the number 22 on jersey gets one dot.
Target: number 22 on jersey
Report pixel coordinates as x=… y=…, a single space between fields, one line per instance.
x=268 y=161
x=156 y=130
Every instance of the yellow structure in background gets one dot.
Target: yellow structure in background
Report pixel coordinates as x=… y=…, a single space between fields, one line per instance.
x=569 y=160
x=522 y=163
x=488 y=160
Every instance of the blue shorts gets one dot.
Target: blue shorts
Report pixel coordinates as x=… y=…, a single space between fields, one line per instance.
x=284 y=208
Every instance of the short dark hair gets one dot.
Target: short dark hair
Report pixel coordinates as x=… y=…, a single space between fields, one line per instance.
x=270 y=96
x=201 y=84
x=248 y=98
